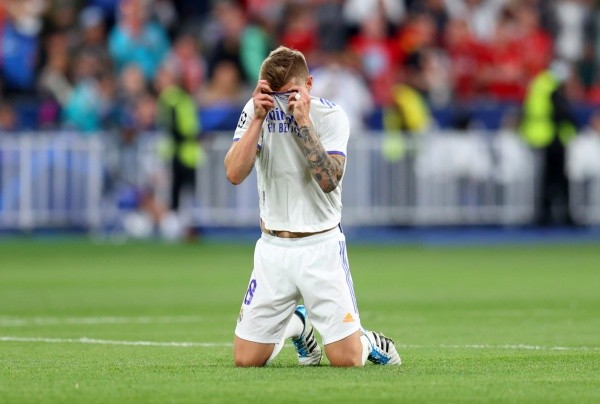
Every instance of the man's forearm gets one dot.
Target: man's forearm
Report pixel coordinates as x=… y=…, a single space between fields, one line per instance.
x=326 y=170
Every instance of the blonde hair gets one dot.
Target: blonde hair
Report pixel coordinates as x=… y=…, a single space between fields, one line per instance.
x=282 y=65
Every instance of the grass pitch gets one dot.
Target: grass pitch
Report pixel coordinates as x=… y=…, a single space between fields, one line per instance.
x=84 y=322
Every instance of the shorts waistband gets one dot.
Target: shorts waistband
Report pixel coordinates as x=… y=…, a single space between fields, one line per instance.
x=302 y=241
x=291 y=234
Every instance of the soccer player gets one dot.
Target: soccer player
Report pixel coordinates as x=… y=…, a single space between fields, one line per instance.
x=298 y=144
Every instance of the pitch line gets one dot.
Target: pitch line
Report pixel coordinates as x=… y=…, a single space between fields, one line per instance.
x=514 y=347
x=85 y=340
x=23 y=322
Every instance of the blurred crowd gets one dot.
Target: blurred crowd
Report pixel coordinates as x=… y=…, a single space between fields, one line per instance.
x=96 y=64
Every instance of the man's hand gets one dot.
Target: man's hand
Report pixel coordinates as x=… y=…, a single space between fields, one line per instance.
x=299 y=105
x=263 y=102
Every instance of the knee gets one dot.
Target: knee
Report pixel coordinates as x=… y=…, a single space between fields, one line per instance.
x=347 y=352
x=346 y=362
x=348 y=356
x=244 y=361
x=250 y=354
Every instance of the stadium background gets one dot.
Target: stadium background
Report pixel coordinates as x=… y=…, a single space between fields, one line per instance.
x=483 y=304
x=80 y=100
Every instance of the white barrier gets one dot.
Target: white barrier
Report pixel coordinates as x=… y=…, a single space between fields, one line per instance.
x=446 y=178
x=50 y=180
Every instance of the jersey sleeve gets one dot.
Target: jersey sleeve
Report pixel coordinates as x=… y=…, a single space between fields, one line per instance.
x=335 y=132
x=244 y=122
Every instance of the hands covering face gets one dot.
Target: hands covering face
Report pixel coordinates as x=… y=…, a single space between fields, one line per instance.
x=298 y=101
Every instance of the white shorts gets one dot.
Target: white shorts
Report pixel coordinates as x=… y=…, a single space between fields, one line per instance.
x=314 y=269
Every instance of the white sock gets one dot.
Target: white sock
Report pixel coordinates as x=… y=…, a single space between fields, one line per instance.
x=366 y=348
x=293 y=329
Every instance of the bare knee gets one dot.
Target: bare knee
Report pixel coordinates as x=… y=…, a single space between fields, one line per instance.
x=346 y=362
x=346 y=352
x=250 y=354
x=246 y=362
x=247 y=359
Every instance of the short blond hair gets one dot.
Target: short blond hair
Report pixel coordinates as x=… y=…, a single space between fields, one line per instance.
x=282 y=65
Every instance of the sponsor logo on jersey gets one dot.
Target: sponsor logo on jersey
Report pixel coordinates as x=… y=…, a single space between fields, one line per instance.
x=280 y=122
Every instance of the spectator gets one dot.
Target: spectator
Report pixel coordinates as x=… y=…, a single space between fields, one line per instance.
x=62 y=16
x=108 y=7
x=230 y=24
x=136 y=39
x=135 y=178
x=480 y=15
x=356 y=11
x=219 y=99
x=535 y=44
x=187 y=58
x=487 y=52
x=466 y=57
x=178 y=117
x=548 y=126
x=164 y=12
x=144 y=114
x=331 y=29
x=504 y=72
x=21 y=26
x=225 y=88
x=26 y=15
x=299 y=29
x=436 y=77
x=131 y=88
x=141 y=120
x=54 y=85
x=418 y=33
x=91 y=105
x=574 y=20
x=583 y=162
x=378 y=56
x=92 y=25
x=409 y=112
x=243 y=44
x=339 y=81
x=437 y=11
x=265 y=10
x=256 y=43
x=423 y=66
x=132 y=84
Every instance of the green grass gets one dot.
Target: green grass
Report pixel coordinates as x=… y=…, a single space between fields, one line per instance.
x=493 y=324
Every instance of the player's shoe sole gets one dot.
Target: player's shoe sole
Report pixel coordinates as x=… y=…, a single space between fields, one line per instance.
x=307 y=348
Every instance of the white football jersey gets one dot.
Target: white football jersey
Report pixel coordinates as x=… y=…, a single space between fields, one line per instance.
x=289 y=198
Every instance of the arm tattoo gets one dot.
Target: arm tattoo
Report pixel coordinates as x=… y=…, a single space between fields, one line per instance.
x=324 y=168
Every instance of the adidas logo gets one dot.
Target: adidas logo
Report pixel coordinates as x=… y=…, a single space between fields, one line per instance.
x=348 y=318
